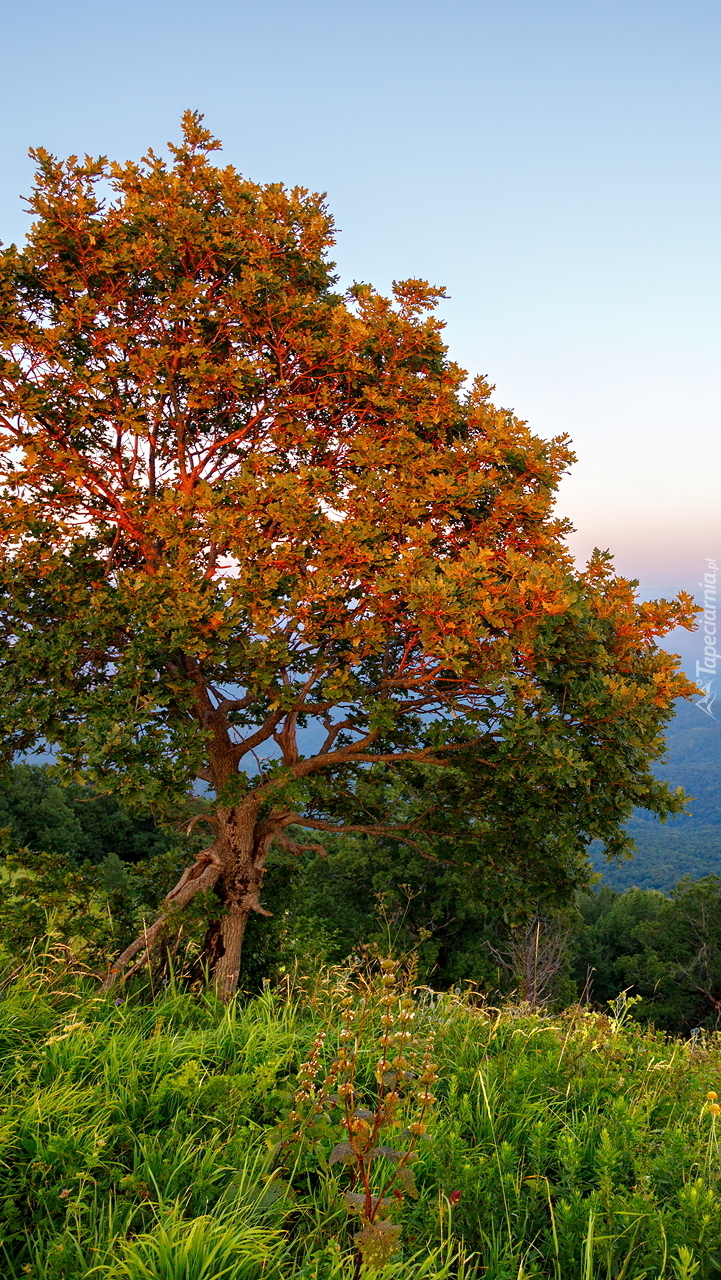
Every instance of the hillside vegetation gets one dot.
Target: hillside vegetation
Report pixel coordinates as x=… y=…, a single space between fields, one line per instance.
x=169 y=1138
x=62 y=873
x=684 y=846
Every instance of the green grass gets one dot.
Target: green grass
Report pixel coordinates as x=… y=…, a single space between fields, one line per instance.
x=139 y=1141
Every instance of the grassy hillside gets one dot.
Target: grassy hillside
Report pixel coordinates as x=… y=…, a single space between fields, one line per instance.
x=683 y=846
x=155 y=1140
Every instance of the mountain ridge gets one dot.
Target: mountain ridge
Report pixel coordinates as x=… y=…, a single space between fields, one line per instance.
x=689 y=844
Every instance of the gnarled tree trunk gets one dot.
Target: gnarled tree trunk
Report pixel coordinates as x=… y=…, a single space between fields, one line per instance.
x=242 y=853
x=232 y=867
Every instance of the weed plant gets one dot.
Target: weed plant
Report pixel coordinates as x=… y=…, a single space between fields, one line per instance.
x=140 y=1138
x=389 y=1105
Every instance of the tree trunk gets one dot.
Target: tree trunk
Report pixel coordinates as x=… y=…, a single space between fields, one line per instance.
x=233 y=868
x=199 y=878
x=226 y=970
x=242 y=855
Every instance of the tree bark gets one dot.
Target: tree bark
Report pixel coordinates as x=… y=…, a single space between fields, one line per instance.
x=226 y=970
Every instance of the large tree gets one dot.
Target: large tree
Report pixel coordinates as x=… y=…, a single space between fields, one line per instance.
x=256 y=533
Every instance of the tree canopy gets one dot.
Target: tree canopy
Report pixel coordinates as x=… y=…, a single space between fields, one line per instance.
x=664 y=949
x=267 y=561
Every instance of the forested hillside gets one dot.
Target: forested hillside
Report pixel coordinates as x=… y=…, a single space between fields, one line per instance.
x=684 y=846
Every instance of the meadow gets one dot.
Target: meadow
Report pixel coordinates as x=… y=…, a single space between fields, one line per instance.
x=164 y=1136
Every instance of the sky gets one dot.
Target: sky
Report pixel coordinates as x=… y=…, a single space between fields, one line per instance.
x=554 y=165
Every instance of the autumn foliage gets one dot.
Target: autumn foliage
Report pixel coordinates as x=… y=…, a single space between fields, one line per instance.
x=258 y=533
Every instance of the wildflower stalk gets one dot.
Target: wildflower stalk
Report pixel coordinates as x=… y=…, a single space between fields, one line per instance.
x=401 y=1083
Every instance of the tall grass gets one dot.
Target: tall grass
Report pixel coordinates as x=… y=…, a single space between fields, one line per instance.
x=142 y=1141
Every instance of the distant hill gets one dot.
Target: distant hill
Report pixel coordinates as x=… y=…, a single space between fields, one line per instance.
x=682 y=846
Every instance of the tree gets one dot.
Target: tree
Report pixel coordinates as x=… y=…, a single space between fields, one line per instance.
x=256 y=534
x=71 y=822
x=78 y=861
x=534 y=958
x=665 y=949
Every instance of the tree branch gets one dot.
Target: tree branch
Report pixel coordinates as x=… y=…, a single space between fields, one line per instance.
x=374 y=829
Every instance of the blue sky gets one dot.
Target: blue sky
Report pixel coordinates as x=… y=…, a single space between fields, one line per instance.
x=554 y=165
